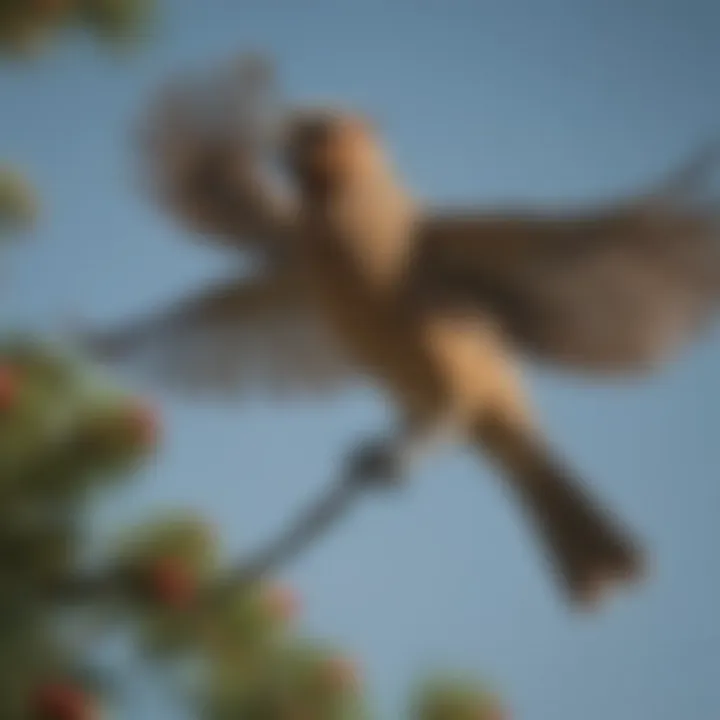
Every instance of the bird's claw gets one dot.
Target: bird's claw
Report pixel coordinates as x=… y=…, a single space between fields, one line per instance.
x=379 y=464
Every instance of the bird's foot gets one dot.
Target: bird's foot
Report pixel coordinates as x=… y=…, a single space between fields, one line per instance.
x=377 y=464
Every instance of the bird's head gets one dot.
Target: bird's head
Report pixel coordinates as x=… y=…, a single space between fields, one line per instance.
x=324 y=150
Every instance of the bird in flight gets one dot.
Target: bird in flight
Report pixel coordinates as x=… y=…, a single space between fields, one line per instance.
x=355 y=278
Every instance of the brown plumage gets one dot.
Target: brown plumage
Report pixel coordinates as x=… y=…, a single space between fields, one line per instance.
x=357 y=279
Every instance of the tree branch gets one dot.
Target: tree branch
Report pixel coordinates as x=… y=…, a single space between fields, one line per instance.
x=315 y=521
x=311 y=524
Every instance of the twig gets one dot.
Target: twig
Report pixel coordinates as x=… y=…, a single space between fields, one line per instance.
x=311 y=524
x=315 y=521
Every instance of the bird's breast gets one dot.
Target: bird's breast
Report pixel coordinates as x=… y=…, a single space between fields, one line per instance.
x=363 y=313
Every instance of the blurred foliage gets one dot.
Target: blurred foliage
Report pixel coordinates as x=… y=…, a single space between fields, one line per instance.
x=27 y=27
x=18 y=205
x=47 y=478
x=66 y=435
x=448 y=698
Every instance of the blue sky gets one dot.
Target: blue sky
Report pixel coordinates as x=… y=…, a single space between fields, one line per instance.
x=518 y=100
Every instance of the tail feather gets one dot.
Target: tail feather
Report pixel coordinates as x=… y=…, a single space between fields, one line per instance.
x=588 y=548
x=586 y=544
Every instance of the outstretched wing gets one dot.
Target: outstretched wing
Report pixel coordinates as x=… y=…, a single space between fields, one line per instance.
x=617 y=289
x=204 y=153
x=233 y=338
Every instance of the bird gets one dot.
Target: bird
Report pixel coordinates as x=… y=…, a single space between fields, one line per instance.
x=438 y=307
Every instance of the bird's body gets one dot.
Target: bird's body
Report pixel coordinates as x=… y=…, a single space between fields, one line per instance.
x=444 y=371
x=438 y=307
x=353 y=250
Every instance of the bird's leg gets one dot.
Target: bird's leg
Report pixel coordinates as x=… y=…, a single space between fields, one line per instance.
x=378 y=462
x=382 y=463
x=386 y=462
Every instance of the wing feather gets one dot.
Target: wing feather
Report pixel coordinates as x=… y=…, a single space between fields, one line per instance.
x=203 y=156
x=237 y=337
x=618 y=288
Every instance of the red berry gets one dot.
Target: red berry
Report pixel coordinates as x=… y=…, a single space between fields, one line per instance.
x=492 y=710
x=281 y=602
x=62 y=701
x=9 y=387
x=143 y=424
x=172 y=583
x=341 y=673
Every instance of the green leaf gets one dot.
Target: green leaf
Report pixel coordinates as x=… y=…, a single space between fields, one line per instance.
x=180 y=534
x=18 y=201
x=448 y=698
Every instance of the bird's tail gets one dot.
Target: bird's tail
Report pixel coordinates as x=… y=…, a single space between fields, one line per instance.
x=587 y=547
